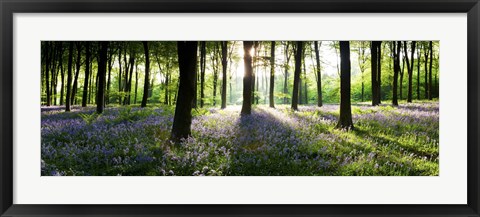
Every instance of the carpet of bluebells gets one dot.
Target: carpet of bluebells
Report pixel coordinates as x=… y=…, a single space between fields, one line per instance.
x=130 y=141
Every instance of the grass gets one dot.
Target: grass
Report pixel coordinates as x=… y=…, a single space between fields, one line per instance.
x=387 y=141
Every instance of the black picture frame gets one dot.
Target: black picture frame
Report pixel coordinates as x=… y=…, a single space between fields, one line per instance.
x=9 y=7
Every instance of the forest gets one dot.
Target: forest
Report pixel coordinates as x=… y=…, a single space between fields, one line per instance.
x=240 y=108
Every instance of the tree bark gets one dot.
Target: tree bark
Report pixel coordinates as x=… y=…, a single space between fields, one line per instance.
x=62 y=72
x=102 y=69
x=345 y=120
x=409 y=69
x=285 y=81
x=87 y=74
x=136 y=83
x=69 y=76
x=147 y=71
x=402 y=72
x=47 y=71
x=202 y=72
x=272 y=75
x=319 y=75
x=77 y=72
x=418 y=71
x=187 y=61
x=296 y=79
x=109 y=77
x=120 y=74
x=376 y=71
x=426 y=53
x=224 y=74
x=247 y=78
x=396 y=70
x=430 y=83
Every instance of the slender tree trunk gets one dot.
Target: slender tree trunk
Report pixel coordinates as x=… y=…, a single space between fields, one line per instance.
x=110 y=65
x=187 y=61
x=77 y=72
x=90 y=86
x=247 y=78
x=62 y=74
x=69 y=76
x=136 y=83
x=272 y=76
x=374 y=67
x=430 y=83
x=285 y=82
x=409 y=69
x=319 y=75
x=125 y=78
x=215 y=72
x=47 y=71
x=129 y=86
x=147 y=71
x=418 y=71
x=305 y=80
x=202 y=72
x=296 y=79
x=345 y=120
x=426 y=53
x=396 y=70
x=224 y=73
x=120 y=75
x=254 y=70
x=379 y=73
x=167 y=82
x=102 y=69
x=402 y=72
x=54 y=75
x=87 y=74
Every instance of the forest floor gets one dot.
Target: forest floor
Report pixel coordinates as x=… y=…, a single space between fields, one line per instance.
x=387 y=141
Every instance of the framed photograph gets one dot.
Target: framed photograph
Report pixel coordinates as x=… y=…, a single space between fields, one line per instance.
x=237 y=108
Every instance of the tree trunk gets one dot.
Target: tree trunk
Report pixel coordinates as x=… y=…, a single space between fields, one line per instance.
x=147 y=71
x=247 y=78
x=374 y=68
x=215 y=72
x=202 y=72
x=285 y=82
x=305 y=80
x=425 y=53
x=129 y=85
x=345 y=120
x=430 y=83
x=319 y=76
x=136 y=83
x=296 y=79
x=167 y=82
x=62 y=73
x=379 y=73
x=47 y=71
x=402 y=72
x=69 y=76
x=77 y=72
x=87 y=74
x=376 y=53
x=187 y=61
x=409 y=69
x=109 y=77
x=224 y=74
x=102 y=69
x=418 y=71
x=120 y=75
x=272 y=76
x=125 y=78
x=54 y=74
x=396 y=70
